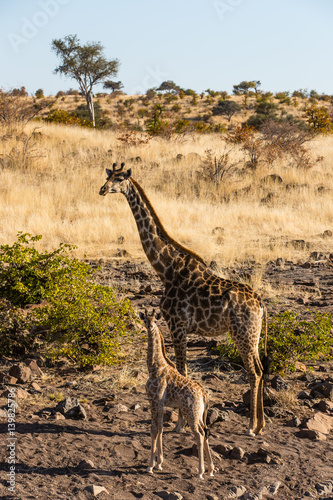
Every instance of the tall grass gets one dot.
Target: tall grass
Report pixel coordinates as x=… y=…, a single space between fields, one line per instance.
x=56 y=195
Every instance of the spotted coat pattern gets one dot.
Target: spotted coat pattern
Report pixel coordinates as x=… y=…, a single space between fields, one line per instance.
x=195 y=300
x=167 y=387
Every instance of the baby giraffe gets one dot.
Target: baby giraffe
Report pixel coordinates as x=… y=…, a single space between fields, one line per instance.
x=167 y=387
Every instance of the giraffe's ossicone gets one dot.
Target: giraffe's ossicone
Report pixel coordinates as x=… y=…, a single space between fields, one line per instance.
x=195 y=300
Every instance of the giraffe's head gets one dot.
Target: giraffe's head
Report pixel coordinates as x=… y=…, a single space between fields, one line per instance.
x=116 y=180
x=149 y=319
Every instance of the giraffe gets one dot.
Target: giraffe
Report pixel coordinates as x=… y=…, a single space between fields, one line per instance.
x=195 y=300
x=167 y=387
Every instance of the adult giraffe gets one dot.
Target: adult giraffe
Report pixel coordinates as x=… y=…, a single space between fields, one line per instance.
x=195 y=300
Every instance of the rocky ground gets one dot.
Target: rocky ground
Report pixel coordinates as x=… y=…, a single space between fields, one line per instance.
x=81 y=435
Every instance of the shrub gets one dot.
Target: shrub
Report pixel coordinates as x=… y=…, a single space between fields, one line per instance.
x=61 y=116
x=291 y=339
x=72 y=316
x=319 y=119
x=39 y=94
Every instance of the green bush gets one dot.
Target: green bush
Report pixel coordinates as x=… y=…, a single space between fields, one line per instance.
x=74 y=316
x=291 y=339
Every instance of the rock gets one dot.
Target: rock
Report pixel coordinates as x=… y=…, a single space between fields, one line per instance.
x=67 y=404
x=237 y=453
x=125 y=452
x=59 y=416
x=324 y=488
x=166 y=495
x=236 y=491
x=327 y=234
x=121 y=408
x=19 y=393
x=294 y=422
x=135 y=407
x=31 y=363
x=278 y=383
x=96 y=490
x=310 y=434
x=324 y=406
x=21 y=372
x=7 y=379
x=320 y=423
x=71 y=408
x=77 y=413
x=36 y=387
x=212 y=416
x=3 y=413
x=271 y=490
x=304 y=395
x=325 y=389
x=86 y=464
x=223 y=449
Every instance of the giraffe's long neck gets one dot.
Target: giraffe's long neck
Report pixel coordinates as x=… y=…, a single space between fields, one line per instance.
x=156 y=358
x=160 y=248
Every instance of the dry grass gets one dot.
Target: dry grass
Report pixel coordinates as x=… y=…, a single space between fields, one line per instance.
x=56 y=195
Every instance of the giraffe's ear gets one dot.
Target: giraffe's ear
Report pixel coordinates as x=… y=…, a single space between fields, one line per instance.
x=127 y=174
x=158 y=316
x=141 y=315
x=108 y=172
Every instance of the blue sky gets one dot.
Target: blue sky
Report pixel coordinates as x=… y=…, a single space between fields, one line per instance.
x=199 y=44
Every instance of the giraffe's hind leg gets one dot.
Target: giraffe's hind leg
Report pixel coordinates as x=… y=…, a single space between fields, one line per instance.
x=255 y=376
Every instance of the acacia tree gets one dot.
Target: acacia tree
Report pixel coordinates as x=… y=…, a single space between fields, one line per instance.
x=114 y=86
x=227 y=107
x=84 y=63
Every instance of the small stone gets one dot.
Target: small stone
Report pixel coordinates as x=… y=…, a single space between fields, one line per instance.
x=167 y=495
x=59 y=416
x=31 y=363
x=311 y=434
x=86 y=464
x=3 y=413
x=19 y=393
x=236 y=491
x=325 y=406
x=135 y=407
x=324 y=488
x=223 y=449
x=300 y=367
x=237 y=453
x=279 y=383
x=121 y=408
x=96 y=490
x=21 y=372
x=212 y=416
x=36 y=387
x=294 y=422
x=304 y=395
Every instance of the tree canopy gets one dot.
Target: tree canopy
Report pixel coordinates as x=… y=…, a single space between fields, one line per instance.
x=84 y=63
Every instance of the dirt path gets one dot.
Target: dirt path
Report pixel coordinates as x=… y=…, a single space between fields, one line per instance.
x=64 y=458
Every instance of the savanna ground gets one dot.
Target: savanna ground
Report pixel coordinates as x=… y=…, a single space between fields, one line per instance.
x=266 y=232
